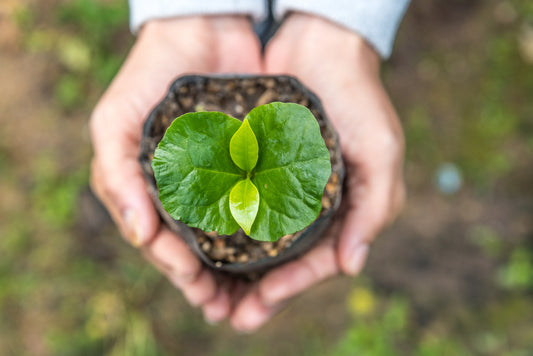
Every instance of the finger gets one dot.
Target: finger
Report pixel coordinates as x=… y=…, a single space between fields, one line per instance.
x=199 y=291
x=294 y=277
x=369 y=210
x=285 y=282
x=251 y=313
x=116 y=175
x=237 y=35
x=218 y=308
x=171 y=255
x=123 y=191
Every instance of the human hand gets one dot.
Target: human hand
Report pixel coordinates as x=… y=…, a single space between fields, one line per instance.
x=341 y=68
x=164 y=50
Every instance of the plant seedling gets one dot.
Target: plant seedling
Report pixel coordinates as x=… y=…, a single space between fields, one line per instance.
x=265 y=174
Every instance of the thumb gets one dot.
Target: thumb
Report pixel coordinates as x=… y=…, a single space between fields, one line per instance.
x=117 y=179
x=367 y=214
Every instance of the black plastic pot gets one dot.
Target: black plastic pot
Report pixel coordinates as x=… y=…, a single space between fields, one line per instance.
x=236 y=96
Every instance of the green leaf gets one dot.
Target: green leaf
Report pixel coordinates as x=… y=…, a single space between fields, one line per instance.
x=244 y=203
x=291 y=172
x=243 y=147
x=195 y=173
x=266 y=174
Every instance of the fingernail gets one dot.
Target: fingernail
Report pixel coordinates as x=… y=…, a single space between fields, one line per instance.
x=133 y=229
x=357 y=259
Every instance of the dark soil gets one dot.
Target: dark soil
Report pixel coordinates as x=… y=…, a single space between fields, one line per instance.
x=236 y=97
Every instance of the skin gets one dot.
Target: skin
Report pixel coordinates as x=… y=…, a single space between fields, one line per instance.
x=335 y=63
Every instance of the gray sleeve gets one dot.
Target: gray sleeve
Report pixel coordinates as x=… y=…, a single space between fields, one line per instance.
x=375 y=20
x=144 y=10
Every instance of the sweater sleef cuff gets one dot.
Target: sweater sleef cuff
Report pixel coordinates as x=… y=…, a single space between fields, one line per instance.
x=144 y=10
x=375 y=20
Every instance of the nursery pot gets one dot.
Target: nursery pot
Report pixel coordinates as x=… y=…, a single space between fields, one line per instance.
x=236 y=96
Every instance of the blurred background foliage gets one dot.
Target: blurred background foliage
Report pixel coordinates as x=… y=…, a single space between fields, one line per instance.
x=453 y=276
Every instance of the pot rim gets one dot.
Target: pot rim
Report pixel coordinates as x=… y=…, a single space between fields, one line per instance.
x=318 y=226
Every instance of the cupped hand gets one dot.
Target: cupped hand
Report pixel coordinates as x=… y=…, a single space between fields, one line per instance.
x=343 y=70
x=336 y=64
x=164 y=50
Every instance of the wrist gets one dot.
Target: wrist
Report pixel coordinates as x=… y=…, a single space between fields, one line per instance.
x=350 y=43
x=214 y=40
x=304 y=35
x=176 y=30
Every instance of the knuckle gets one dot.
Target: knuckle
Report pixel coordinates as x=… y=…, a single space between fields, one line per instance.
x=392 y=143
x=96 y=120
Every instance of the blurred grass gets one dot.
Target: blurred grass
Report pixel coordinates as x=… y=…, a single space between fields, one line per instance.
x=66 y=289
x=86 y=38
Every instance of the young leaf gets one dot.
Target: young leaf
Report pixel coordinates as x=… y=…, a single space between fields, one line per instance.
x=243 y=203
x=243 y=147
x=195 y=173
x=291 y=172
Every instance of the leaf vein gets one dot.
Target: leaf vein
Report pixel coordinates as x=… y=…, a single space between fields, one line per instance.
x=290 y=165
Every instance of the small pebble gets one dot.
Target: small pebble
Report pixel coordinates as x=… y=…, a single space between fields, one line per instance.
x=286 y=237
x=174 y=106
x=186 y=102
x=219 y=243
x=326 y=203
x=213 y=87
x=269 y=83
x=266 y=97
x=242 y=258
x=267 y=246
x=334 y=178
x=331 y=188
x=212 y=234
x=239 y=98
x=199 y=108
x=206 y=246
x=303 y=102
x=239 y=109
x=230 y=86
x=250 y=90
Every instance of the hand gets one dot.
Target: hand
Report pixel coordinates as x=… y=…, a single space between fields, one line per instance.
x=164 y=50
x=341 y=68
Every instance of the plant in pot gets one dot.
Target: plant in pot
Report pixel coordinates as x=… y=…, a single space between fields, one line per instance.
x=246 y=169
